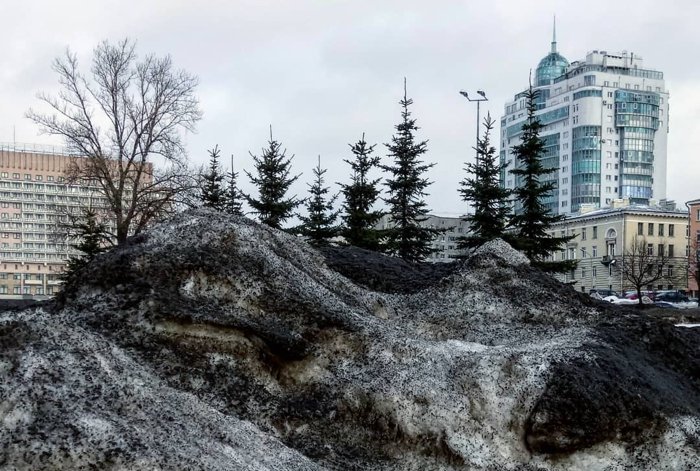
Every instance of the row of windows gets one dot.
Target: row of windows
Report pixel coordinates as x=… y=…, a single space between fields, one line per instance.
x=644 y=133
x=638 y=191
x=588 y=93
x=637 y=108
x=632 y=97
x=661 y=250
x=37 y=290
x=28 y=177
x=660 y=227
x=585 y=167
x=637 y=144
x=637 y=121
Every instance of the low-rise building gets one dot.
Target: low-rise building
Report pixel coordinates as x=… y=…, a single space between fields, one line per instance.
x=604 y=237
x=694 y=245
x=444 y=245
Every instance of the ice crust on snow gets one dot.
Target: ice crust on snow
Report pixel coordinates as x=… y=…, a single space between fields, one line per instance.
x=217 y=343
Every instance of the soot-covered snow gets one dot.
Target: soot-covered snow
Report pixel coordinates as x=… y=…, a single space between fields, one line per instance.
x=217 y=343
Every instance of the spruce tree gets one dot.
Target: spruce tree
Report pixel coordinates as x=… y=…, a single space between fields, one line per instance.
x=360 y=195
x=90 y=234
x=213 y=191
x=273 y=181
x=234 y=196
x=532 y=221
x=406 y=189
x=483 y=190
x=319 y=223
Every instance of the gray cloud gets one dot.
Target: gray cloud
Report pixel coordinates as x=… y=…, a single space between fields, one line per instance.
x=324 y=72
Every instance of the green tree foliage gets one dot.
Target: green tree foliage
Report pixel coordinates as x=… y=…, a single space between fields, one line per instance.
x=90 y=234
x=406 y=189
x=484 y=192
x=360 y=195
x=272 y=181
x=234 y=196
x=533 y=220
x=213 y=188
x=319 y=223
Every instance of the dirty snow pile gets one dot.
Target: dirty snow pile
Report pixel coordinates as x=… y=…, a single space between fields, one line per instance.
x=217 y=343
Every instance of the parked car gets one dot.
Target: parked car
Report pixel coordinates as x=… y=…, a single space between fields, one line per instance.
x=671 y=297
x=665 y=304
x=604 y=292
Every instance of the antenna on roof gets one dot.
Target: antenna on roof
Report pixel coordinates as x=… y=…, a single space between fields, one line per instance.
x=554 y=35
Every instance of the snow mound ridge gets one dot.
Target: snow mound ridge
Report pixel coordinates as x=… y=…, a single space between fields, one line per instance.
x=502 y=249
x=213 y=342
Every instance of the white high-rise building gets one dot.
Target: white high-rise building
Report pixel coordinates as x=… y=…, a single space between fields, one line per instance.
x=605 y=124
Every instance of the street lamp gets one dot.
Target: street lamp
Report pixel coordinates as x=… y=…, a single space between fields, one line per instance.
x=478 y=102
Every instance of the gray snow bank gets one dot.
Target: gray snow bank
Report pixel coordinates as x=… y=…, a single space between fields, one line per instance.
x=503 y=250
x=215 y=343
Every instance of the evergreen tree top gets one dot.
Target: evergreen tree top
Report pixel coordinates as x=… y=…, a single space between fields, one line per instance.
x=533 y=221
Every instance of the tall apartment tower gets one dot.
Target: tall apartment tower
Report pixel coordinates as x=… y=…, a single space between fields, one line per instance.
x=605 y=125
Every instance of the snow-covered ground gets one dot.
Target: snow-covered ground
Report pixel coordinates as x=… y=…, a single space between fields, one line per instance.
x=216 y=343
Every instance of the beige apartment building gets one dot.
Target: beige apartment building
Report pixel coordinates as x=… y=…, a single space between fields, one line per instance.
x=603 y=236
x=34 y=198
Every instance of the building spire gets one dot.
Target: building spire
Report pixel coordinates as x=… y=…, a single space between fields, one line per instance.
x=554 y=35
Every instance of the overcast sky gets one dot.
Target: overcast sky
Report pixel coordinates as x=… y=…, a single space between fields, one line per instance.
x=323 y=72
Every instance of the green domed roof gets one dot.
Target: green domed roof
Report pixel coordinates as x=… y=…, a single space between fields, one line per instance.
x=553 y=65
x=550 y=67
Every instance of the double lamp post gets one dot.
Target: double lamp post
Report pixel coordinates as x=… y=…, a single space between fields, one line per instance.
x=478 y=100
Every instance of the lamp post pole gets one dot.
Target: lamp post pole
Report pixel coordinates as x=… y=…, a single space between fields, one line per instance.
x=478 y=102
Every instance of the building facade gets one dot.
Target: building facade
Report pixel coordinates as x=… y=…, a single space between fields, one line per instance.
x=605 y=125
x=604 y=237
x=444 y=245
x=35 y=199
x=694 y=245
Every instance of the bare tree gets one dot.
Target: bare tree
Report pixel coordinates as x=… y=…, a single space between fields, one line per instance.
x=693 y=262
x=643 y=264
x=120 y=117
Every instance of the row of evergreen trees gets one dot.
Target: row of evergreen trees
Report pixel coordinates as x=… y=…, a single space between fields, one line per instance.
x=526 y=230
x=405 y=194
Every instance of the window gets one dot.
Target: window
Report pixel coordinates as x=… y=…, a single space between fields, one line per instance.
x=670 y=251
x=15 y=176
x=595 y=232
x=650 y=249
x=651 y=229
x=661 y=230
x=594 y=251
x=583 y=272
x=671 y=230
x=27 y=176
x=640 y=228
x=697 y=216
x=670 y=272
x=583 y=234
x=594 y=271
x=660 y=253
